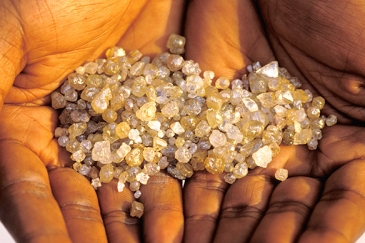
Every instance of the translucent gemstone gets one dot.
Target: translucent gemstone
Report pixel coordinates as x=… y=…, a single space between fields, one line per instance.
x=137 y=209
x=58 y=100
x=134 y=135
x=331 y=120
x=154 y=125
x=101 y=101
x=193 y=107
x=101 y=152
x=177 y=128
x=317 y=134
x=77 y=81
x=123 y=150
x=77 y=129
x=183 y=155
x=267 y=100
x=147 y=112
x=179 y=142
x=318 y=123
x=222 y=83
x=252 y=129
x=122 y=130
x=137 y=68
x=214 y=101
x=214 y=118
x=163 y=163
x=176 y=44
x=159 y=143
x=262 y=156
x=250 y=104
x=240 y=170
x=275 y=148
x=281 y=174
x=230 y=178
x=134 y=157
x=84 y=170
x=235 y=134
x=193 y=83
x=189 y=122
x=258 y=84
x=214 y=163
x=174 y=62
x=120 y=186
x=106 y=173
x=312 y=144
x=270 y=70
x=137 y=194
x=91 y=67
x=185 y=169
x=302 y=137
x=288 y=137
x=142 y=178
x=134 y=56
x=149 y=154
x=171 y=109
x=313 y=112
x=60 y=131
x=217 y=138
x=114 y=53
x=96 y=183
x=71 y=95
x=78 y=156
x=109 y=115
x=174 y=172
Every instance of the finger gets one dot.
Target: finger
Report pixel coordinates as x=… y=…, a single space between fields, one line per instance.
x=163 y=219
x=78 y=204
x=243 y=207
x=235 y=30
x=203 y=196
x=27 y=206
x=115 y=207
x=289 y=208
x=339 y=216
x=163 y=17
x=11 y=52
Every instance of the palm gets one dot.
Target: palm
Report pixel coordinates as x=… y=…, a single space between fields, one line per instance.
x=322 y=51
x=53 y=41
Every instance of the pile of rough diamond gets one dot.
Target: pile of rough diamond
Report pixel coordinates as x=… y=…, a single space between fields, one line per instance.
x=129 y=117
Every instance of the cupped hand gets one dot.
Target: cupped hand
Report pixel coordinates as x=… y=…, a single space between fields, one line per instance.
x=323 y=200
x=41 y=43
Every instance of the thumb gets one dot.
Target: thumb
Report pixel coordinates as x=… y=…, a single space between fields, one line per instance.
x=11 y=52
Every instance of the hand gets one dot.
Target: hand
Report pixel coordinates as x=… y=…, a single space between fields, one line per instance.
x=323 y=200
x=41 y=43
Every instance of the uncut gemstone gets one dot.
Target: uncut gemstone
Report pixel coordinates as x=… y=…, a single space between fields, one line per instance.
x=281 y=174
x=217 y=138
x=147 y=112
x=262 y=156
x=214 y=164
x=331 y=120
x=123 y=150
x=171 y=109
x=177 y=128
x=77 y=81
x=101 y=101
x=270 y=70
x=137 y=209
x=101 y=152
x=185 y=169
x=230 y=178
x=222 y=83
x=106 y=173
x=240 y=170
x=142 y=178
x=122 y=130
x=134 y=157
x=176 y=44
x=58 y=100
x=183 y=155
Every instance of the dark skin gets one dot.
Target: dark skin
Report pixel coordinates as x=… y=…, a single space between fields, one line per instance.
x=322 y=201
